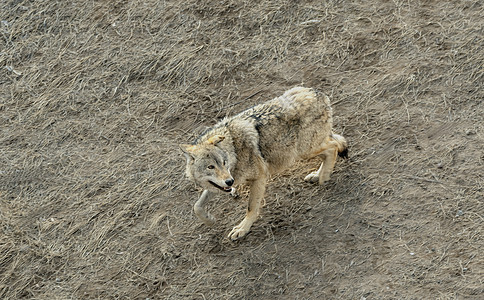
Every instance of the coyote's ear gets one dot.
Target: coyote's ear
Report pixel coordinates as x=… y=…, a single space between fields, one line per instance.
x=214 y=140
x=187 y=151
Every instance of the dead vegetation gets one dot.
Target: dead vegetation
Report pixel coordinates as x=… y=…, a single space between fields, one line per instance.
x=95 y=96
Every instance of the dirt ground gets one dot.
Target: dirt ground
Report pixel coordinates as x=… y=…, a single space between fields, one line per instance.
x=95 y=97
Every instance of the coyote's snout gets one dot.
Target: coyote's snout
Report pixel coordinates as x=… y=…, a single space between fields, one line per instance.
x=260 y=141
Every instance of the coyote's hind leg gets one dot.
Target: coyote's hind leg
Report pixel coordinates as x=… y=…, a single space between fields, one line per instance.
x=327 y=165
x=330 y=149
x=323 y=174
x=314 y=176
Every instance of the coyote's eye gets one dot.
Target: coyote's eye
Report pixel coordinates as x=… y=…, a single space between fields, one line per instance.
x=211 y=167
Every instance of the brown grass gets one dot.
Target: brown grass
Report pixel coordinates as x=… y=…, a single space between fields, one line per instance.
x=96 y=95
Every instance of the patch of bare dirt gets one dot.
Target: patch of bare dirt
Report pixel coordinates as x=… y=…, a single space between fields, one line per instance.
x=95 y=96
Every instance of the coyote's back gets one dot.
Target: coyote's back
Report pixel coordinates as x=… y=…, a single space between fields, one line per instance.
x=291 y=127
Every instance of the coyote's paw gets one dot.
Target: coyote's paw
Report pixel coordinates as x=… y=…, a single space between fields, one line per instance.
x=204 y=216
x=209 y=220
x=312 y=177
x=234 y=193
x=240 y=230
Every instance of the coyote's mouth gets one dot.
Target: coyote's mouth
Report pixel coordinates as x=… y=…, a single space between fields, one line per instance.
x=225 y=189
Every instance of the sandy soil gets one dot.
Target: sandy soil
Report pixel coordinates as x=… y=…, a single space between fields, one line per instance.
x=95 y=97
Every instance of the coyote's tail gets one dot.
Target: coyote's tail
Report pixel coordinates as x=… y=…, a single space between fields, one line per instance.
x=342 y=145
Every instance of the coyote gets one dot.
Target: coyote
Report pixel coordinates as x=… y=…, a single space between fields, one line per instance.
x=260 y=141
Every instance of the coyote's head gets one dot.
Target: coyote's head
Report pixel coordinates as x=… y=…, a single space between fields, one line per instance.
x=207 y=165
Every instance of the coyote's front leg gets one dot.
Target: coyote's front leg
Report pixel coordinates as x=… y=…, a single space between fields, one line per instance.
x=257 y=189
x=199 y=209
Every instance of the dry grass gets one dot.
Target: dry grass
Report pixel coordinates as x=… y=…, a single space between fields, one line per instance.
x=95 y=96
